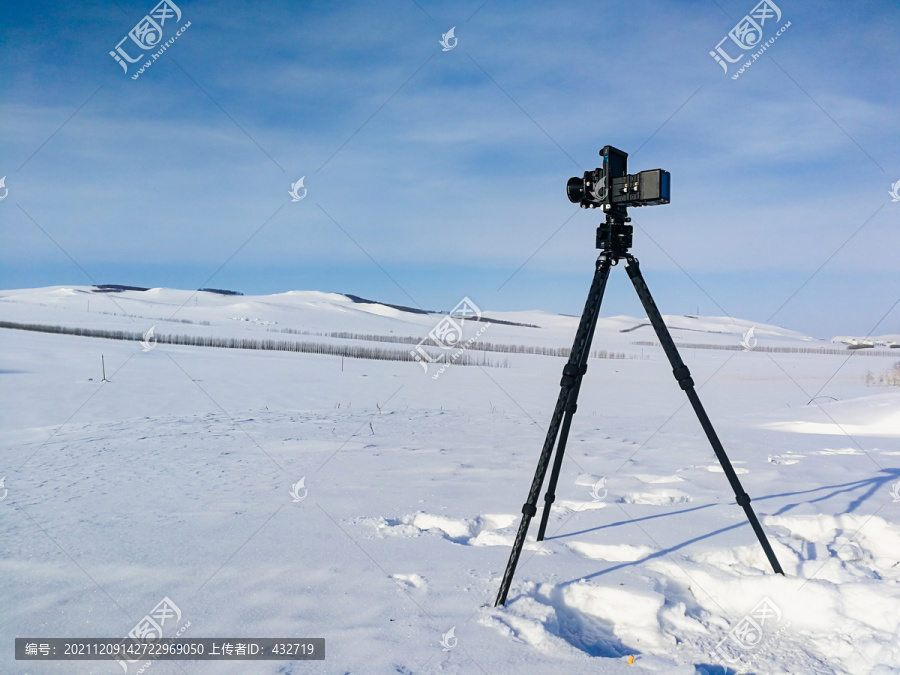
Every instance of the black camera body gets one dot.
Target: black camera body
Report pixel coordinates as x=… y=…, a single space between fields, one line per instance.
x=613 y=189
x=611 y=186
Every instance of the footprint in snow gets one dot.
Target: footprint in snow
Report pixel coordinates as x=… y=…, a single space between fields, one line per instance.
x=612 y=552
x=658 y=498
x=410 y=581
x=495 y=529
x=788 y=459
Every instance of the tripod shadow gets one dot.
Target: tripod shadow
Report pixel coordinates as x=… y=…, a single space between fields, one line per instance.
x=871 y=485
x=631 y=520
x=868 y=486
x=662 y=552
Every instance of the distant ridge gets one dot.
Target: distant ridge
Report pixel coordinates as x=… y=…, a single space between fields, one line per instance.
x=119 y=288
x=116 y=288
x=415 y=310
x=402 y=308
x=220 y=291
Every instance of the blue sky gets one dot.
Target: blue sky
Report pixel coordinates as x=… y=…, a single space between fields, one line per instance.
x=434 y=175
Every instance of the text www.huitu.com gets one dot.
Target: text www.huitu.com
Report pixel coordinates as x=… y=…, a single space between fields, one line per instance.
x=759 y=53
x=159 y=53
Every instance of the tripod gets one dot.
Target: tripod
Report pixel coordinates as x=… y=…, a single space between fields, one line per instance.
x=614 y=239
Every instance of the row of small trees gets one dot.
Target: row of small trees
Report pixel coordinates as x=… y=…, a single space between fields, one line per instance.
x=468 y=358
x=479 y=346
x=890 y=377
x=770 y=349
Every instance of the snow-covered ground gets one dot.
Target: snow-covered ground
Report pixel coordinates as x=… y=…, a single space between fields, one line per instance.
x=179 y=478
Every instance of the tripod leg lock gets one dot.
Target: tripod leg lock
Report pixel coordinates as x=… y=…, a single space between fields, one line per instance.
x=571 y=372
x=529 y=509
x=743 y=499
x=549 y=498
x=683 y=375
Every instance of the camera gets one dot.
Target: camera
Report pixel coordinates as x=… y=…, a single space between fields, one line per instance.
x=612 y=187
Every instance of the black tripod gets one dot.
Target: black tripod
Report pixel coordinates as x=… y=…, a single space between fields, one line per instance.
x=614 y=239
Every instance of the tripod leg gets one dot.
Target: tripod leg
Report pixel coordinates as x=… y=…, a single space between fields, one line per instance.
x=550 y=496
x=571 y=407
x=683 y=375
x=571 y=380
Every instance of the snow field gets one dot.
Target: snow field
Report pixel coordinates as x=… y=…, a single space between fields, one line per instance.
x=175 y=479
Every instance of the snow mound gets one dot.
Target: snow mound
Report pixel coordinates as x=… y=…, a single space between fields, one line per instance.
x=648 y=478
x=850 y=546
x=485 y=530
x=575 y=505
x=613 y=552
x=410 y=581
x=592 y=618
x=717 y=468
x=785 y=460
x=832 y=613
x=659 y=498
x=840 y=451
x=877 y=415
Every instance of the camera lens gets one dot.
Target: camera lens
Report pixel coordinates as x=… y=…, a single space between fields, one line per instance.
x=575 y=189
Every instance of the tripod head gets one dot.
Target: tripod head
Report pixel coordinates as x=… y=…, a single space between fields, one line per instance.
x=614 y=237
x=612 y=189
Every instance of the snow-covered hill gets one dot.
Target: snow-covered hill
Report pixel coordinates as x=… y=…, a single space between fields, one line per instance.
x=85 y=306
